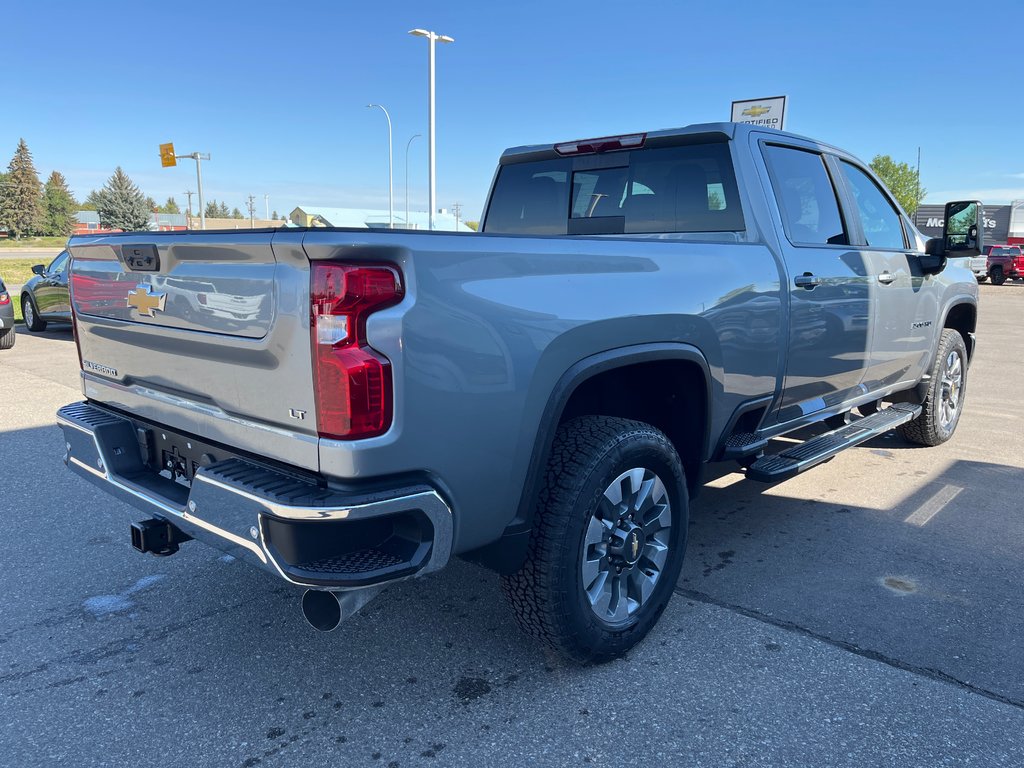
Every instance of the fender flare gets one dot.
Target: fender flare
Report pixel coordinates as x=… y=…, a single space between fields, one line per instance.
x=508 y=552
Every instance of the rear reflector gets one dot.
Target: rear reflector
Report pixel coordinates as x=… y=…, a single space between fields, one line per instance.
x=352 y=382
x=603 y=144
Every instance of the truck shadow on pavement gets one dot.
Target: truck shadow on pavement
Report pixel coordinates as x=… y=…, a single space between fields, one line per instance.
x=930 y=582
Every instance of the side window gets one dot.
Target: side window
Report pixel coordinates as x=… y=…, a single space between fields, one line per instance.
x=878 y=217
x=531 y=199
x=805 y=196
x=57 y=265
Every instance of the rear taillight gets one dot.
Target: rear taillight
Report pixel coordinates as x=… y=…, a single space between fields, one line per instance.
x=352 y=382
x=5 y=298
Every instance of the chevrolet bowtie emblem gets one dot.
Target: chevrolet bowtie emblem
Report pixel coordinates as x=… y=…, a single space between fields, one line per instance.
x=144 y=300
x=634 y=547
x=756 y=111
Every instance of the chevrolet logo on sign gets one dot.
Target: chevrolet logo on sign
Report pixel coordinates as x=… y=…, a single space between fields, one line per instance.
x=144 y=300
x=756 y=111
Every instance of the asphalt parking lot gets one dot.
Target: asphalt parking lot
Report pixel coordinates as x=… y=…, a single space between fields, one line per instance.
x=868 y=612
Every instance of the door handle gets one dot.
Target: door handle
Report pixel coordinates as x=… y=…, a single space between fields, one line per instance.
x=806 y=280
x=886 y=277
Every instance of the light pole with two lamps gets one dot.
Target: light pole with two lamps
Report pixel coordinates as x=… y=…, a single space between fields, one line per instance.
x=432 y=37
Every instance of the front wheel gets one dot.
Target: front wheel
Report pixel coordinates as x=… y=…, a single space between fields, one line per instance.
x=608 y=540
x=998 y=276
x=945 y=400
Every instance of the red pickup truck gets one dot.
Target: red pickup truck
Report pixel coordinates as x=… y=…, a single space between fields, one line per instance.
x=1003 y=261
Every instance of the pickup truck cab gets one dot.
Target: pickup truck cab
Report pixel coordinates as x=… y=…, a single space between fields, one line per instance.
x=1004 y=262
x=360 y=406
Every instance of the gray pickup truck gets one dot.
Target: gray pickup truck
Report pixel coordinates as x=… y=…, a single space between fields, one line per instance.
x=347 y=408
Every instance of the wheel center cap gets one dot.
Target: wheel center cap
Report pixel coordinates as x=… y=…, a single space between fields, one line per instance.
x=632 y=545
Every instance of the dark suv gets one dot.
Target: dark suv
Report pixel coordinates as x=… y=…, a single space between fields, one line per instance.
x=1003 y=261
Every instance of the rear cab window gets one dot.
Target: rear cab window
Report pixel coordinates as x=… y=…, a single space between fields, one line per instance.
x=674 y=189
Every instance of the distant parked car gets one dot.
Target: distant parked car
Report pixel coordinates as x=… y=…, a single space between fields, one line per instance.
x=7 y=334
x=45 y=298
x=1004 y=261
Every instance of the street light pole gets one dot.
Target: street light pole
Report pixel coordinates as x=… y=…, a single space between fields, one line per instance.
x=432 y=37
x=409 y=144
x=391 y=175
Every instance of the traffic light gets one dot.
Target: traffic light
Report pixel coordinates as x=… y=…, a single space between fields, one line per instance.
x=167 y=158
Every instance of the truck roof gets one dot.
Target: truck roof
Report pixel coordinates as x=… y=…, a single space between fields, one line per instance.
x=723 y=131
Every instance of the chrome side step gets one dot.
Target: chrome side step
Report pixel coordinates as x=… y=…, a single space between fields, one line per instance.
x=776 y=467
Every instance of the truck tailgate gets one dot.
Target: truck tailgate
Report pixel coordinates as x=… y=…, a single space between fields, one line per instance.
x=207 y=333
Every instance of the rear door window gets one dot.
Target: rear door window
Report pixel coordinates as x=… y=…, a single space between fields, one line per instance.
x=806 y=197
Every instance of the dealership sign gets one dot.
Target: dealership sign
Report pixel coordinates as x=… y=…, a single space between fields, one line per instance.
x=768 y=113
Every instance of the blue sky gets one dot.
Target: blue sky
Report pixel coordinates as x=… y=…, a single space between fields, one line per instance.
x=277 y=92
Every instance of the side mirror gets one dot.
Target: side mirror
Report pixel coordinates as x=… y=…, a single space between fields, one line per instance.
x=963 y=228
x=38 y=269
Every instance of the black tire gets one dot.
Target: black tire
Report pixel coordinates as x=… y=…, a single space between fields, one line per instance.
x=938 y=420
x=31 y=314
x=998 y=276
x=982 y=278
x=7 y=338
x=548 y=593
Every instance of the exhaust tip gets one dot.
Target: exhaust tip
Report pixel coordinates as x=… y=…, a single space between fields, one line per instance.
x=321 y=609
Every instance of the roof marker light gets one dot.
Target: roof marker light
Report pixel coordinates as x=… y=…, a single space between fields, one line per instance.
x=602 y=144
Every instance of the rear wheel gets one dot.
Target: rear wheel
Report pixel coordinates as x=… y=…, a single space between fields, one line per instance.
x=608 y=540
x=998 y=276
x=31 y=314
x=946 y=390
x=7 y=338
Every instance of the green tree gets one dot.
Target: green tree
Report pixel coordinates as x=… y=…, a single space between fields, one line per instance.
x=122 y=205
x=274 y=216
x=59 y=207
x=218 y=210
x=171 y=206
x=21 y=197
x=474 y=225
x=901 y=180
x=151 y=204
x=91 y=203
x=236 y=214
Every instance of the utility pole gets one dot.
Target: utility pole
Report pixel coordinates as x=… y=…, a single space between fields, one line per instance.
x=266 y=202
x=199 y=157
x=251 y=205
x=457 y=209
x=188 y=193
x=917 y=198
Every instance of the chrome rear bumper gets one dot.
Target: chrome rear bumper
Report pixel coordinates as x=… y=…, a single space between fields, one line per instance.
x=305 y=533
